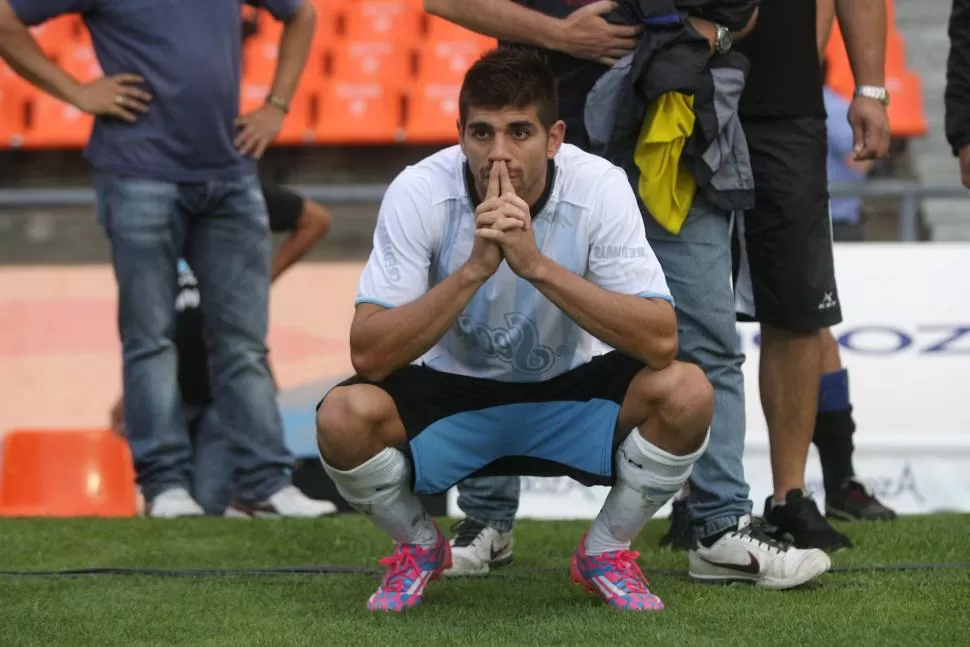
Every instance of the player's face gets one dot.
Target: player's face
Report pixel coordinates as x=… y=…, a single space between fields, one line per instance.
x=513 y=136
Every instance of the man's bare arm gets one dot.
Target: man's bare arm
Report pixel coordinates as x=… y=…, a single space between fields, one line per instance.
x=294 y=48
x=584 y=34
x=643 y=328
x=313 y=224
x=113 y=96
x=825 y=21
x=502 y=19
x=21 y=51
x=863 y=27
x=383 y=340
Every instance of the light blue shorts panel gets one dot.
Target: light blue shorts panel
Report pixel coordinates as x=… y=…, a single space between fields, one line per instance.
x=537 y=437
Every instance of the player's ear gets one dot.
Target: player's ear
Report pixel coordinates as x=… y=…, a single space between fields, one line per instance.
x=557 y=132
x=461 y=140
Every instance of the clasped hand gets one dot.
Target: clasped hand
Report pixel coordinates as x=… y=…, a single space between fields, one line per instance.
x=503 y=228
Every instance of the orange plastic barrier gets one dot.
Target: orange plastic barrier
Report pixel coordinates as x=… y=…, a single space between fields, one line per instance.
x=66 y=473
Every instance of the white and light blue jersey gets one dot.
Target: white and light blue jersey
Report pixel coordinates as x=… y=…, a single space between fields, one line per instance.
x=509 y=331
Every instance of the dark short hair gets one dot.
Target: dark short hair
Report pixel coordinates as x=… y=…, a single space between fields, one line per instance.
x=510 y=77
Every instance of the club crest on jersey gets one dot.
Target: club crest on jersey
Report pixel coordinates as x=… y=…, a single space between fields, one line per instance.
x=517 y=343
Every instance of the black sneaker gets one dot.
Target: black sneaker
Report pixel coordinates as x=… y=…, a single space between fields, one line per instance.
x=800 y=523
x=680 y=536
x=853 y=502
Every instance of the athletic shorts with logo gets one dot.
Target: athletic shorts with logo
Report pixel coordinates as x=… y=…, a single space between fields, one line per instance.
x=784 y=267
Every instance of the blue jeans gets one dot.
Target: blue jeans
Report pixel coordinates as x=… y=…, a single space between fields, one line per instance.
x=213 y=469
x=697 y=264
x=491 y=500
x=222 y=230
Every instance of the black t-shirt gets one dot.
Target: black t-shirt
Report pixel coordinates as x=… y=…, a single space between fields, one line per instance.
x=284 y=208
x=786 y=75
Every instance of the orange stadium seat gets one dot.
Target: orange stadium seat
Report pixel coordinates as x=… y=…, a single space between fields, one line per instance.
x=358 y=113
x=330 y=15
x=58 y=33
x=80 y=61
x=66 y=473
x=433 y=113
x=907 y=115
x=51 y=123
x=11 y=123
x=299 y=128
x=259 y=64
x=259 y=61
x=446 y=61
x=14 y=93
x=367 y=61
x=394 y=20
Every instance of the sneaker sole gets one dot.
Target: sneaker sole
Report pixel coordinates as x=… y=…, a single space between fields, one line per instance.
x=485 y=570
x=810 y=574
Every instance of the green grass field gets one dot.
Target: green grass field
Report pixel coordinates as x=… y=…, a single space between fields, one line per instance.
x=529 y=603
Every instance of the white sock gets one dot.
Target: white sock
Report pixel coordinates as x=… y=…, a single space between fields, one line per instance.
x=381 y=490
x=646 y=478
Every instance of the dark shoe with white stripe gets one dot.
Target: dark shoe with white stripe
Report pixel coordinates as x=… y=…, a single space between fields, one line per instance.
x=853 y=502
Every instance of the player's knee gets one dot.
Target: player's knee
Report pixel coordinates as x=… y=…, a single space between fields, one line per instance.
x=687 y=404
x=348 y=422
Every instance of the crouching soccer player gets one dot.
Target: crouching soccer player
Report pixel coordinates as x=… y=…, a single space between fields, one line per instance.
x=495 y=265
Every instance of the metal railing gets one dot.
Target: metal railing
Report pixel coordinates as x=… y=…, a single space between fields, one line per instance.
x=909 y=193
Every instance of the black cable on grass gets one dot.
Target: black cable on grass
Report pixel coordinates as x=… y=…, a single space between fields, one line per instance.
x=365 y=570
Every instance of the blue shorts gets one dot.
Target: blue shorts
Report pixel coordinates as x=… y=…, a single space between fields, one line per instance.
x=459 y=427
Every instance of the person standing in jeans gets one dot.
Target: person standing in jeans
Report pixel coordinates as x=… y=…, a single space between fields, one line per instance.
x=175 y=176
x=213 y=463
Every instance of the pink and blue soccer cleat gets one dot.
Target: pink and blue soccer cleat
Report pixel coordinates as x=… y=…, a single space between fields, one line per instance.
x=408 y=572
x=615 y=577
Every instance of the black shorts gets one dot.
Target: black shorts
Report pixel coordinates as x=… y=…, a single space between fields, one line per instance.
x=784 y=269
x=460 y=427
x=284 y=207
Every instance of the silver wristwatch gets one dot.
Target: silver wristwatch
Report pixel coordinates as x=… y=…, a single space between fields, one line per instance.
x=722 y=39
x=877 y=92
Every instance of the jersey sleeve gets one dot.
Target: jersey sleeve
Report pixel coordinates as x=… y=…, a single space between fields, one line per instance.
x=405 y=241
x=620 y=258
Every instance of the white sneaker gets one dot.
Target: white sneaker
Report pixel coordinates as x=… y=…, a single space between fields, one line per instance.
x=287 y=502
x=749 y=555
x=477 y=548
x=173 y=503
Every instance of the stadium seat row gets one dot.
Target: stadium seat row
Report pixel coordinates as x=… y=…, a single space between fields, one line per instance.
x=402 y=22
x=323 y=112
x=380 y=71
